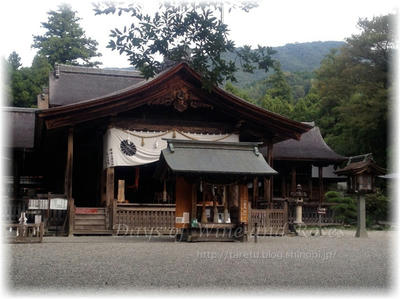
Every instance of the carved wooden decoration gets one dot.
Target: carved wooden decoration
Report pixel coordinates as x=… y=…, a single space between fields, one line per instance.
x=181 y=98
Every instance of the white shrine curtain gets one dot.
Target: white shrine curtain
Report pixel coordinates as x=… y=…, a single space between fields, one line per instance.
x=132 y=148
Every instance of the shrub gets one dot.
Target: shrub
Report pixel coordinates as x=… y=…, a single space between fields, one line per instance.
x=345 y=209
x=378 y=207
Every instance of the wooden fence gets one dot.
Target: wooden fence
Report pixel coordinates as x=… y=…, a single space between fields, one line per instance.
x=310 y=215
x=149 y=219
x=25 y=233
x=268 y=221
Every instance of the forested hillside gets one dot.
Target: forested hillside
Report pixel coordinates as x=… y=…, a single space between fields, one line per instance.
x=347 y=95
x=297 y=57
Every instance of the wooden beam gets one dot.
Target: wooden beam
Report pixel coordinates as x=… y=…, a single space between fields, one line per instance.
x=121 y=191
x=321 y=184
x=16 y=174
x=194 y=202
x=271 y=163
x=284 y=193
x=268 y=180
x=110 y=186
x=255 y=192
x=69 y=164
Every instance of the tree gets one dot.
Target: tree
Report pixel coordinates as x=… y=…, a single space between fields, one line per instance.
x=238 y=92
x=307 y=108
x=190 y=31
x=25 y=83
x=277 y=105
x=353 y=86
x=65 y=41
x=14 y=61
x=277 y=85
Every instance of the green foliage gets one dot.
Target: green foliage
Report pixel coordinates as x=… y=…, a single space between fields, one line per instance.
x=345 y=208
x=353 y=87
x=297 y=58
x=307 y=108
x=27 y=82
x=278 y=86
x=183 y=31
x=378 y=207
x=14 y=61
x=65 y=41
x=277 y=105
x=238 y=92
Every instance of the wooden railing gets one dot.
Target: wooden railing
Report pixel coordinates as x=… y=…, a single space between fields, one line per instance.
x=25 y=233
x=311 y=217
x=269 y=221
x=144 y=219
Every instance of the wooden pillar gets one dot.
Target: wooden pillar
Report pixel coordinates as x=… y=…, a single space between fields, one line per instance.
x=103 y=187
x=16 y=174
x=310 y=187
x=69 y=165
x=194 y=202
x=225 y=202
x=203 y=207
x=293 y=182
x=321 y=184
x=71 y=218
x=284 y=186
x=68 y=180
x=121 y=191
x=255 y=192
x=271 y=178
x=110 y=186
x=268 y=180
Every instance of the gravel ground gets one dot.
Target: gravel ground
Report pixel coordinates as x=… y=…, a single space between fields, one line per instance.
x=336 y=261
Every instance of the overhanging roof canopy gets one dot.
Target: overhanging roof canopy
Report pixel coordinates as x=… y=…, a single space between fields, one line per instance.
x=161 y=87
x=202 y=157
x=310 y=147
x=21 y=129
x=360 y=167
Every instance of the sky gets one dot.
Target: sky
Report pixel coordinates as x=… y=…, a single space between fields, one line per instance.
x=273 y=23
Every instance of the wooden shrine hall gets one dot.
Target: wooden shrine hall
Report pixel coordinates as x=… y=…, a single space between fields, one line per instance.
x=104 y=152
x=297 y=160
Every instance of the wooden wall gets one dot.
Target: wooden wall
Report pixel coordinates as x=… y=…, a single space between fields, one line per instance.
x=183 y=200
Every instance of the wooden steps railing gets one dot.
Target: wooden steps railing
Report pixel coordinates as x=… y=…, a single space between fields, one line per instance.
x=91 y=221
x=134 y=219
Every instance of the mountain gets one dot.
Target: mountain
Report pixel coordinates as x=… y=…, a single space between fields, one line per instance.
x=297 y=57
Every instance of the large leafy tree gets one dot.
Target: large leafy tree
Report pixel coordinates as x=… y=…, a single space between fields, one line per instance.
x=65 y=40
x=194 y=32
x=353 y=85
x=25 y=83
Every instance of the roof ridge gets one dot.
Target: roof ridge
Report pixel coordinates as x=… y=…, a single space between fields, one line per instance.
x=65 y=68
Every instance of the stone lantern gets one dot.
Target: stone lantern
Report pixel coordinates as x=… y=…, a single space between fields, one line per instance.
x=298 y=197
x=361 y=172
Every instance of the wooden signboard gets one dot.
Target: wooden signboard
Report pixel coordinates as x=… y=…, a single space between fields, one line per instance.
x=244 y=200
x=58 y=204
x=38 y=204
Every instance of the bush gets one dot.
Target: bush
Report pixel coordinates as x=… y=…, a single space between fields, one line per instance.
x=345 y=209
x=378 y=207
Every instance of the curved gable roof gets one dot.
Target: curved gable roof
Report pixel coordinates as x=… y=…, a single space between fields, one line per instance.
x=146 y=91
x=310 y=147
